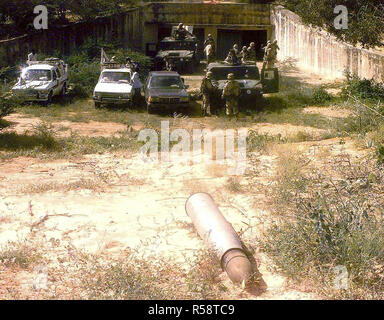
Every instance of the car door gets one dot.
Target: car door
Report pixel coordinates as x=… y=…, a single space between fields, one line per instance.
x=146 y=87
x=270 y=80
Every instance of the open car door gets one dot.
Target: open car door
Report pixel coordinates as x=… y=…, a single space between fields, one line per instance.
x=270 y=80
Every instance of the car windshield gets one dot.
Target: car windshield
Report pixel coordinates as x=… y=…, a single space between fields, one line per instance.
x=37 y=75
x=114 y=76
x=166 y=82
x=242 y=72
x=177 y=45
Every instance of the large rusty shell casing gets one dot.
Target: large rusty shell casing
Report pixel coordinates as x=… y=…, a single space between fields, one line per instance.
x=219 y=235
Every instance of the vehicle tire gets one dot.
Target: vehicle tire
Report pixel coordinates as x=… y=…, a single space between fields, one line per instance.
x=97 y=105
x=49 y=101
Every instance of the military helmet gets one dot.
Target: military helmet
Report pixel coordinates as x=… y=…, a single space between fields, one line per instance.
x=245 y=48
x=209 y=36
x=230 y=76
x=235 y=46
x=181 y=25
x=209 y=74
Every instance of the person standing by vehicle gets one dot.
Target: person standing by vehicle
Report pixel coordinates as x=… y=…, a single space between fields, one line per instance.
x=207 y=89
x=136 y=86
x=231 y=94
x=32 y=56
x=244 y=54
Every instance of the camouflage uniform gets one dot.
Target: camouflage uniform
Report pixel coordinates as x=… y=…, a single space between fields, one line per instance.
x=232 y=57
x=244 y=55
x=252 y=51
x=231 y=94
x=181 y=33
x=207 y=88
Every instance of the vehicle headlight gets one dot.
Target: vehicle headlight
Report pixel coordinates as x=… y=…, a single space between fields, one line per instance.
x=184 y=99
x=97 y=95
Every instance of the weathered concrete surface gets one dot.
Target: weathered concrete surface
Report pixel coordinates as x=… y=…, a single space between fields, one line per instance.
x=319 y=52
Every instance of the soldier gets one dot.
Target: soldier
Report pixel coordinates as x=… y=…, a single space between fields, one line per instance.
x=267 y=49
x=231 y=94
x=169 y=65
x=252 y=51
x=231 y=58
x=210 y=48
x=273 y=54
x=209 y=40
x=207 y=89
x=244 y=54
x=181 y=33
x=236 y=49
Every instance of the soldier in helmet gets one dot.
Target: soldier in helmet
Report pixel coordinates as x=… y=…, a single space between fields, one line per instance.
x=244 y=54
x=231 y=94
x=236 y=49
x=232 y=57
x=209 y=40
x=211 y=50
x=181 y=33
x=207 y=88
x=252 y=51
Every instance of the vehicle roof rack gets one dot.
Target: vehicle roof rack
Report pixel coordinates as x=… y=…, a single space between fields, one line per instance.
x=51 y=61
x=113 y=65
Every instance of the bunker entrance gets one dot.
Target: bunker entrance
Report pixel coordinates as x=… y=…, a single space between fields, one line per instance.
x=227 y=38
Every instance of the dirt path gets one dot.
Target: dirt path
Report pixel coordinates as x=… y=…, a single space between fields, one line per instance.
x=105 y=204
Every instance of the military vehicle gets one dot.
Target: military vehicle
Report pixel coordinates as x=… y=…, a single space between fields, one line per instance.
x=181 y=54
x=253 y=83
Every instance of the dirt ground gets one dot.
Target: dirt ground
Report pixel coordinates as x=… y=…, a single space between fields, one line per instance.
x=107 y=203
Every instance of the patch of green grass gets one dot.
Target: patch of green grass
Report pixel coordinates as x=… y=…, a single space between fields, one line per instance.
x=324 y=224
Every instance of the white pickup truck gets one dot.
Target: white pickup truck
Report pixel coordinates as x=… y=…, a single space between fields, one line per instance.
x=114 y=87
x=42 y=80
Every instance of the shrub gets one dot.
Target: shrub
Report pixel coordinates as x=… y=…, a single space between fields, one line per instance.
x=332 y=223
x=362 y=88
x=320 y=95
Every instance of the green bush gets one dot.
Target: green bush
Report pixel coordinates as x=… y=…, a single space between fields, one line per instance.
x=320 y=96
x=84 y=64
x=362 y=88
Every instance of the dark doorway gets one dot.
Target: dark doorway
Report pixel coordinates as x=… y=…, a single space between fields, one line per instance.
x=164 y=32
x=227 y=38
x=199 y=33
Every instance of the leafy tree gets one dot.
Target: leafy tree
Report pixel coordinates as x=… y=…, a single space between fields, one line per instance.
x=365 y=18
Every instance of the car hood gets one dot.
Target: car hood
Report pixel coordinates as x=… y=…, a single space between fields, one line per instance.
x=175 y=54
x=159 y=92
x=113 y=87
x=27 y=85
x=244 y=84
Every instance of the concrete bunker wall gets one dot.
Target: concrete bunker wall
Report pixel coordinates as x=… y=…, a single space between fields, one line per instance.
x=319 y=52
x=138 y=27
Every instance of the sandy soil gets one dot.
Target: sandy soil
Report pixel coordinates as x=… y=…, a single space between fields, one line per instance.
x=107 y=203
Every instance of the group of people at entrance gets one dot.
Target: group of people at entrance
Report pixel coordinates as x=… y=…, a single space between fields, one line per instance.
x=236 y=56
